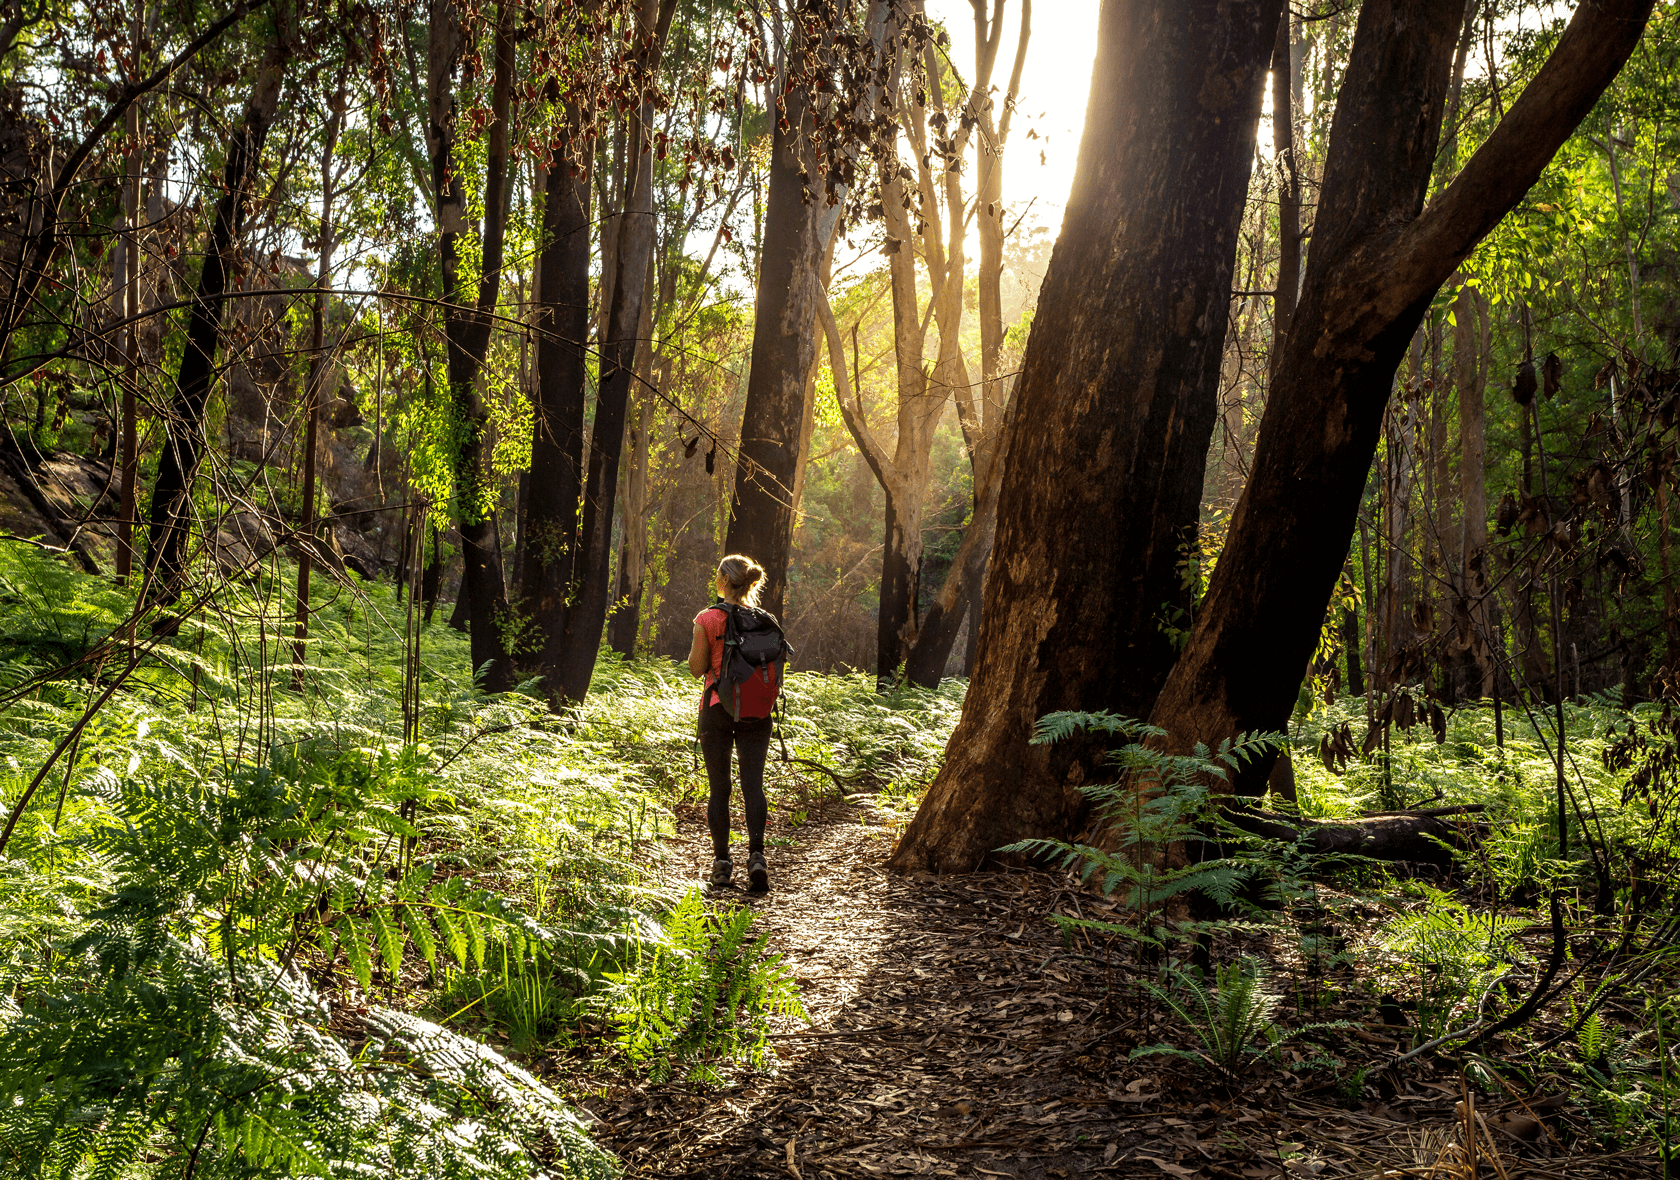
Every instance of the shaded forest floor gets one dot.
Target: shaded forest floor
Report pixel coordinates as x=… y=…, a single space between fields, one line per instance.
x=952 y=1033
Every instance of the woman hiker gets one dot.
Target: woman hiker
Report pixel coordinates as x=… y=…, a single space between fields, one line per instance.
x=739 y=581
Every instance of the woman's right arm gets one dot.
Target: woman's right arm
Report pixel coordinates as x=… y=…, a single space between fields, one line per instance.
x=700 y=653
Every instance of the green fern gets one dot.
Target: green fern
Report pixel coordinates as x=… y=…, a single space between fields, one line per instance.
x=1232 y=1021
x=1453 y=955
x=1159 y=800
x=698 y=994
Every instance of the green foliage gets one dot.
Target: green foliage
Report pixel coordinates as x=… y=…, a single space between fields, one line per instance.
x=219 y=926
x=173 y=1002
x=697 y=993
x=1161 y=800
x=1232 y=1021
x=1455 y=955
x=161 y=1053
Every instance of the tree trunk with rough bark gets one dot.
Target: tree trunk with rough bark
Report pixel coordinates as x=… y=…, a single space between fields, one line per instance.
x=1377 y=259
x=784 y=347
x=1117 y=400
x=580 y=638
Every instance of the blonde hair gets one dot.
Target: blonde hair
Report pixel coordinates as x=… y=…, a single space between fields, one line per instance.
x=743 y=576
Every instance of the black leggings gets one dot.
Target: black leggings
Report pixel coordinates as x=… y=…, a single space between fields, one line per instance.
x=751 y=740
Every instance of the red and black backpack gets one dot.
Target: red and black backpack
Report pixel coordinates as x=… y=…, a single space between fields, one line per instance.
x=755 y=656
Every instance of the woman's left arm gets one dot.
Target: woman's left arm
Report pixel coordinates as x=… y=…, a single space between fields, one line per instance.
x=700 y=654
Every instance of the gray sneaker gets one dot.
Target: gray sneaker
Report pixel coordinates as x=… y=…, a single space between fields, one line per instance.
x=758 y=872
x=722 y=870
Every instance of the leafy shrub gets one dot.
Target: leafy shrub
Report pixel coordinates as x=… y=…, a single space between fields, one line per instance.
x=158 y=1051
x=168 y=990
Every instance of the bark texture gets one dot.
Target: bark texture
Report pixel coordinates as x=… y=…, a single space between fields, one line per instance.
x=1377 y=259
x=556 y=482
x=784 y=347
x=580 y=638
x=1117 y=400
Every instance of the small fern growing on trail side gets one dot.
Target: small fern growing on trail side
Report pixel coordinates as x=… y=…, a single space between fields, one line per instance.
x=1160 y=800
x=1232 y=1020
x=699 y=994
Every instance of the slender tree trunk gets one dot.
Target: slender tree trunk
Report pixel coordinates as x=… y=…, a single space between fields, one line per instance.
x=319 y=367
x=1117 y=401
x=171 y=509
x=961 y=596
x=623 y=621
x=1289 y=192
x=129 y=250
x=921 y=395
x=580 y=640
x=1350 y=644
x=1378 y=258
x=467 y=322
x=1397 y=519
x=1471 y=338
x=784 y=347
x=938 y=633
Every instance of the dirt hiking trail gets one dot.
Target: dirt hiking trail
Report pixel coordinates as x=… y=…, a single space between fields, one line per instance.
x=952 y=1033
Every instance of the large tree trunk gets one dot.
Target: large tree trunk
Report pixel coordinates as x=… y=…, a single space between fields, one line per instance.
x=171 y=509
x=580 y=640
x=557 y=431
x=1117 y=401
x=784 y=347
x=1377 y=259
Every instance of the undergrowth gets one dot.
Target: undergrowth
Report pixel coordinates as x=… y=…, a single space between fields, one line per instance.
x=1519 y=967
x=261 y=921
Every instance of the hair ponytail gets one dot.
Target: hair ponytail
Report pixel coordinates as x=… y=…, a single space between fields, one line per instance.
x=743 y=576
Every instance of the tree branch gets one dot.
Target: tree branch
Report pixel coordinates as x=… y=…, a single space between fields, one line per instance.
x=873 y=452
x=34 y=271
x=1600 y=37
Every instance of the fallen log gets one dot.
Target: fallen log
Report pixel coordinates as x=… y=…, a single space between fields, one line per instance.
x=1415 y=836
